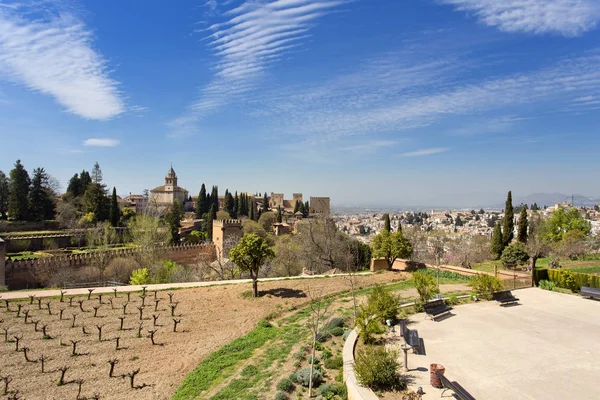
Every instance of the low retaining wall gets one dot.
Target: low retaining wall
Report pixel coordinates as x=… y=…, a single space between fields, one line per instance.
x=355 y=391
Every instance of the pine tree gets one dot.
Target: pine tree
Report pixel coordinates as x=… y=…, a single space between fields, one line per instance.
x=497 y=242
x=212 y=215
x=18 y=191
x=41 y=203
x=84 y=181
x=96 y=174
x=508 y=225
x=201 y=203
x=279 y=216
x=95 y=198
x=115 y=213
x=523 y=225
x=386 y=223
x=265 y=202
x=3 y=195
x=74 y=186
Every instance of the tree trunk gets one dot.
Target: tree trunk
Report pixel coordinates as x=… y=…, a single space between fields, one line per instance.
x=254 y=283
x=312 y=363
x=533 y=261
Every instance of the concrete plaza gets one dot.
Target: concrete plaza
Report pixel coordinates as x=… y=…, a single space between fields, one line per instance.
x=547 y=347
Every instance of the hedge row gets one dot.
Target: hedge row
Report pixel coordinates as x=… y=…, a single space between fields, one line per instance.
x=567 y=279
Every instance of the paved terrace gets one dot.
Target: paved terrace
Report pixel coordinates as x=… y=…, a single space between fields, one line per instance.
x=548 y=347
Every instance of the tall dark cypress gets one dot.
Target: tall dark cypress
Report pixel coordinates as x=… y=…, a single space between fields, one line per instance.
x=508 y=225
x=74 y=186
x=387 y=226
x=523 y=225
x=279 y=216
x=497 y=242
x=214 y=196
x=306 y=211
x=252 y=209
x=297 y=206
x=265 y=202
x=40 y=201
x=202 y=206
x=237 y=202
x=115 y=213
x=212 y=215
x=84 y=180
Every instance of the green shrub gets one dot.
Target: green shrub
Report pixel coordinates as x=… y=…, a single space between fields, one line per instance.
x=484 y=285
x=346 y=334
x=280 y=396
x=566 y=279
x=337 y=331
x=513 y=255
x=547 y=285
x=378 y=368
x=286 y=385
x=452 y=300
x=334 y=323
x=303 y=377
x=328 y=390
x=300 y=356
x=139 y=277
x=249 y=370
x=319 y=346
x=367 y=325
x=333 y=362
x=326 y=354
x=317 y=361
x=383 y=303
x=425 y=285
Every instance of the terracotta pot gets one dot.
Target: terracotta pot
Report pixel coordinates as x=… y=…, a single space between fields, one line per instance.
x=433 y=378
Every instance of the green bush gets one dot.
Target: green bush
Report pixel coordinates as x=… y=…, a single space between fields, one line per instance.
x=337 y=331
x=566 y=279
x=452 y=300
x=547 y=285
x=334 y=362
x=346 y=334
x=367 y=325
x=139 y=277
x=382 y=303
x=334 y=323
x=326 y=354
x=281 y=396
x=425 y=285
x=484 y=285
x=328 y=390
x=286 y=385
x=303 y=377
x=378 y=368
x=300 y=356
x=317 y=361
x=513 y=255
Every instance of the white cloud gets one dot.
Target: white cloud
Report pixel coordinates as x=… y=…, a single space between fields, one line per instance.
x=101 y=142
x=425 y=152
x=253 y=36
x=55 y=56
x=564 y=17
x=370 y=146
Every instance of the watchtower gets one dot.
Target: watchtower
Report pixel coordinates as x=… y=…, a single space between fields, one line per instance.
x=297 y=197
x=226 y=233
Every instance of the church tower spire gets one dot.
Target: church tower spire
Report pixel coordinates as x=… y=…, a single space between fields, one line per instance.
x=171 y=179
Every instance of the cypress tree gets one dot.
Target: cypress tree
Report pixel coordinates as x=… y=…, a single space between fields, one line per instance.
x=227 y=203
x=41 y=204
x=265 y=202
x=3 y=195
x=399 y=226
x=279 y=217
x=214 y=197
x=173 y=219
x=18 y=191
x=386 y=223
x=212 y=215
x=297 y=206
x=523 y=225
x=202 y=206
x=238 y=205
x=497 y=242
x=508 y=225
x=306 y=211
x=244 y=205
x=115 y=213
x=251 y=210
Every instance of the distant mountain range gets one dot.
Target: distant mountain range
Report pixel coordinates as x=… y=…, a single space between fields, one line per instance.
x=549 y=199
x=542 y=199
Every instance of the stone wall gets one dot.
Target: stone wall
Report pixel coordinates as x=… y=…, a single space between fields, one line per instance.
x=2 y=262
x=320 y=206
x=23 y=274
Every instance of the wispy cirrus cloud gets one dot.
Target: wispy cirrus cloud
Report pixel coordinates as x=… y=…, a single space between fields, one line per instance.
x=54 y=55
x=370 y=146
x=425 y=152
x=252 y=36
x=368 y=104
x=563 y=17
x=101 y=142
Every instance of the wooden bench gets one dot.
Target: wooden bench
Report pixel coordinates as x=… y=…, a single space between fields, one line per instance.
x=505 y=297
x=458 y=390
x=590 y=292
x=435 y=308
x=411 y=336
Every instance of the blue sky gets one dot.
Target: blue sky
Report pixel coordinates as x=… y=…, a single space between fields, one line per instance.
x=433 y=102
